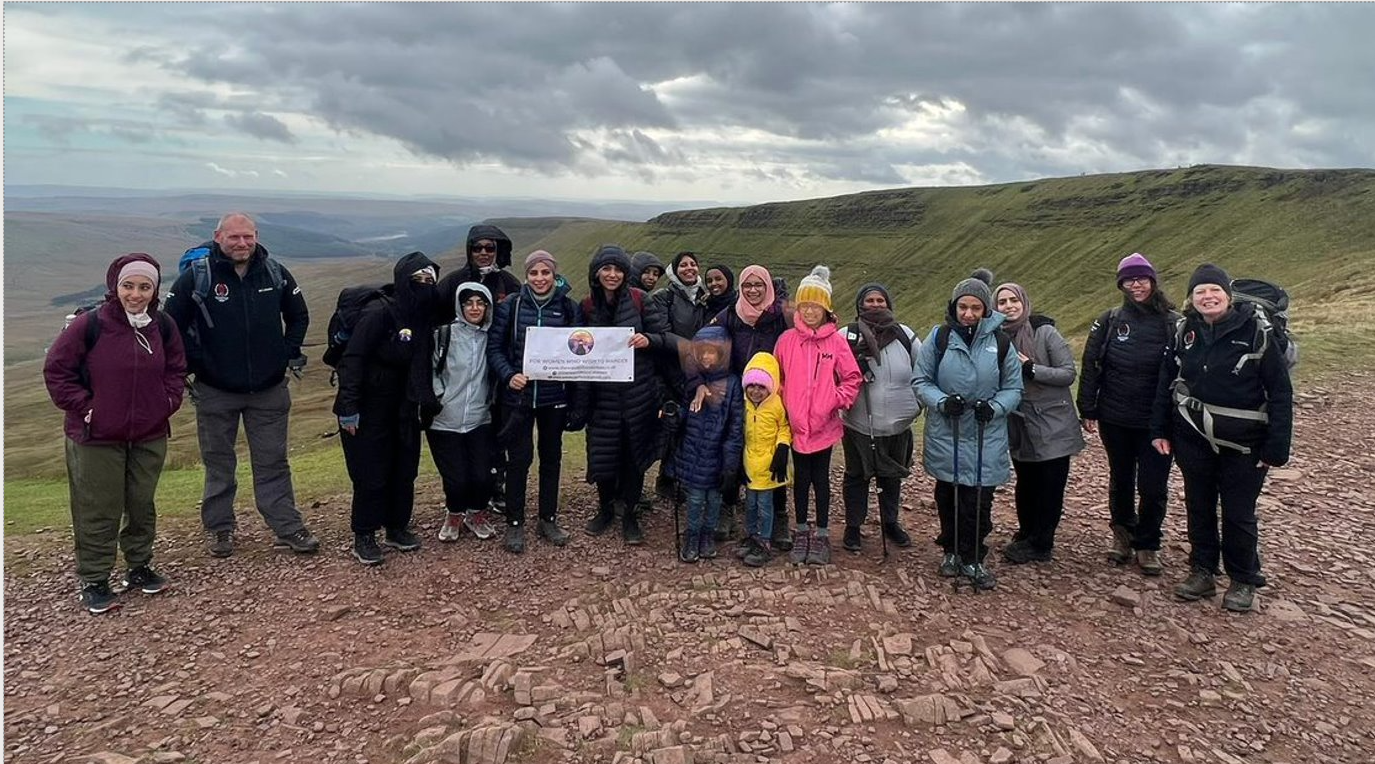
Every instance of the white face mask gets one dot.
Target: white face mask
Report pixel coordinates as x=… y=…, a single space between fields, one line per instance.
x=139 y=320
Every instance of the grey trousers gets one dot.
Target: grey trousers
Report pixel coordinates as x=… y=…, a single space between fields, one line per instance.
x=265 y=418
x=110 y=484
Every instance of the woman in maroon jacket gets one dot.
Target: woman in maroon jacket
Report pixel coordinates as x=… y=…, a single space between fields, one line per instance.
x=118 y=372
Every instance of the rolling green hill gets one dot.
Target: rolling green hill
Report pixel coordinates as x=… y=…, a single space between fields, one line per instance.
x=1311 y=230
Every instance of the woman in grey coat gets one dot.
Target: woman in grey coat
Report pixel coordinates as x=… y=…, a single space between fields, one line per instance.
x=1044 y=432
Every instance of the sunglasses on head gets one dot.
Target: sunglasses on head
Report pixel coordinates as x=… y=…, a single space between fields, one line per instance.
x=484 y=248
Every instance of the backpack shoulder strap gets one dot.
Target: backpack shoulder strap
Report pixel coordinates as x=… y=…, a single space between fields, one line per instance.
x=445 y=333
x=942 y=342
x=274 y=270
x=1107 y=321
x=1260 y=341
x=1004 y=346
x=200 y=289
x=166 y=326
x=92 y=328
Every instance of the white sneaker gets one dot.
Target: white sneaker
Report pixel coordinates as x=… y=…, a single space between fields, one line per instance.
x=452 y=528
x=479 y=521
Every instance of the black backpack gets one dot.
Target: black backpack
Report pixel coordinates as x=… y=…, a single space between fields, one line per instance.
x=352 y=300
x=197 y=260
x=1271 y=303
x=943 y=342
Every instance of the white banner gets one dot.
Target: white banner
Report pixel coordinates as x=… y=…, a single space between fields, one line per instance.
x=581 y=354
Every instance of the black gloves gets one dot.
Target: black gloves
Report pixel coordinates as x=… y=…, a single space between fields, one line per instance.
x=1028 y=370
x=983 y=411
x=951 y=405
x=730 y=479
x=575 y=421
x=297 y=365
x=778 y=470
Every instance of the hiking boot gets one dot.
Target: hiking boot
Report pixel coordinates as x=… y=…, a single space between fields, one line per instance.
x=897 y=535
x=552 y=532
x=479 y=521
x=630 y=528
x=497 y=504
x=743 y=547
x=950 y=565
x=851 y=540
x=515 y=539
x=145 y=579
x=1149 y=562
x=706 y=545
x=1121 y=551
x=780 y=539
x=221 y=544
x=366 y=550
x=97 y=598
x=688 y=552
x=452 y=529
x=606 y=515
x=1022 y=552
x=725 y=529
x=980 y=577
x=801 y=541
x=300 y=542
x=402 y=540
x=759 y=554
x=1199 y=585
x=819 y=550
x=1240 y=598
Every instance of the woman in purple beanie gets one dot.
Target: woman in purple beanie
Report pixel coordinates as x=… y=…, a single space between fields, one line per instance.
x=1121 y=363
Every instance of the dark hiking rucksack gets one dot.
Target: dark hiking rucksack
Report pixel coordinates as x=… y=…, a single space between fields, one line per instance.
x=1272 y=317
x=943 y=342
x=348 y=308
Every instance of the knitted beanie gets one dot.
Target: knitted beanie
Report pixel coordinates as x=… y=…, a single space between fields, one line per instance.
x=758 y=376
x=1133 y=266
x=541 y=256
x=975 y=286
x=1210 y=274
x=815 y=288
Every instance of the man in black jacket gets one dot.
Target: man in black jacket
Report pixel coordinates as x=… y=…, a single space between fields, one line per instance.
x=247 y=329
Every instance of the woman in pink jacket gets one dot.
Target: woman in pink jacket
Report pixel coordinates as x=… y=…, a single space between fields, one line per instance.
x=820 y=380
x=117 y=372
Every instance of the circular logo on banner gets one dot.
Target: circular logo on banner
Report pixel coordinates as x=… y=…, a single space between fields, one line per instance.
x=222 y=292
x=581 y=342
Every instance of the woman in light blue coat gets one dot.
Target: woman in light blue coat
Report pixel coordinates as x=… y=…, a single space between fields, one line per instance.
x=969 y=382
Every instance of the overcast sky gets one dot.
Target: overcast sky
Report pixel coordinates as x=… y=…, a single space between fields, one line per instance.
x=709 y=102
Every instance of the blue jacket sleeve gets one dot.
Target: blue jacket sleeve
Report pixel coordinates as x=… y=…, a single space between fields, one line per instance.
x=499 y=341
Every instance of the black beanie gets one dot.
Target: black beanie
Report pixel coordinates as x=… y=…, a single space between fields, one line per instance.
x=1210 y=274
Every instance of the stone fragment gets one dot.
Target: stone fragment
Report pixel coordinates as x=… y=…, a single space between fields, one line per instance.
x=941 y=756
x=670 y=679
x=1126 y=596
x=589 y=726
x=1001 y=756
x=334 y=612
x=678 y=754
x=110 y=757
x=1022 y=662
x=1084 y=745
x=1003 y=721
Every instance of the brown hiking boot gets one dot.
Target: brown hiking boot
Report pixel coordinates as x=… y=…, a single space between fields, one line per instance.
x=1149 y=562
x=1199 y=585
x=1121 y=552
x=1240 y=598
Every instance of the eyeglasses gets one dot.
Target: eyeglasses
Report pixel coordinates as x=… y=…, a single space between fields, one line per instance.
x=474 y=302
x=484 y=248
x=1135 y=280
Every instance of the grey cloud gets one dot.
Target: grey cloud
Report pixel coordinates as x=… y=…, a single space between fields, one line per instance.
x=259 y=125
x=1047 y=88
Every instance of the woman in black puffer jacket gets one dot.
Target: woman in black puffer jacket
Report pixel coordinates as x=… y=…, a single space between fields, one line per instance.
x=621 y=417
x=1121 y=363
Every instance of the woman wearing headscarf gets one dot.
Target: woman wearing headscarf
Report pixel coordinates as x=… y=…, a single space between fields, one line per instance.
x=1044 y=431
x=1121 y=364
x=755 y=322
x=386 y=397
x=118 y=372
x=969 y=382
x=721 y=292
x=878 y=441
x=621 y=417
x=1224 y=407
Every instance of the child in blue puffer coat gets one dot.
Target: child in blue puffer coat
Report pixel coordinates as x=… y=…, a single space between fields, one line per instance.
x=713 y=443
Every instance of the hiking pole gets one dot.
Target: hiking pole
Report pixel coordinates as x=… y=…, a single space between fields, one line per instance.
x=873 y=450
x=978 y=494
x=955 y=510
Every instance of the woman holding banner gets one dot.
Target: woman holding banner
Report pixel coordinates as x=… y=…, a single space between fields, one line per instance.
x=621 y=417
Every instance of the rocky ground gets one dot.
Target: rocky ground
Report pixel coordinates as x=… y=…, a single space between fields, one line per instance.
x=598 y=653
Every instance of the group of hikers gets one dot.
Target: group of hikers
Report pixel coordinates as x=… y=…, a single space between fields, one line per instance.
x=738 y=391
